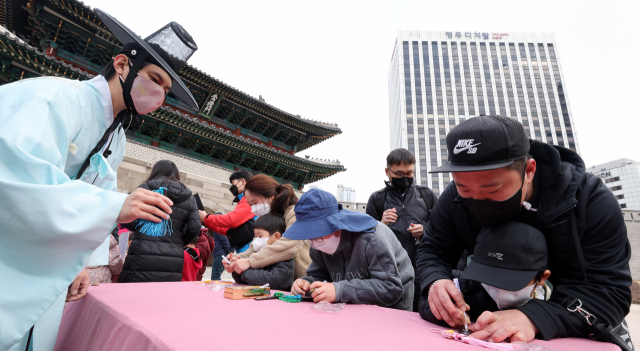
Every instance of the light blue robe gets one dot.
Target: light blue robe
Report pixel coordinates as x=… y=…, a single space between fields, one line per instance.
x=50 y=224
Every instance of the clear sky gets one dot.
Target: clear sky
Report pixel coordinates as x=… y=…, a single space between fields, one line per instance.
x=328 y=61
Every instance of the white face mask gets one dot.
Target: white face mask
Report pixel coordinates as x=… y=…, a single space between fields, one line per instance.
x=260 y=209
x=328 y=246
x=507 y=299
x=259 y=243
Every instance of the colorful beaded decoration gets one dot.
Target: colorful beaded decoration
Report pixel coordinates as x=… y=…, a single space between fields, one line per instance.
x=288 y=298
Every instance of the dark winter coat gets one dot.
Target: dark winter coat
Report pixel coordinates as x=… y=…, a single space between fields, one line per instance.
x=161 y=258
x=279 y=275
x=367 y=268
x=586 y=236
x=222 y=244
x=410 y=208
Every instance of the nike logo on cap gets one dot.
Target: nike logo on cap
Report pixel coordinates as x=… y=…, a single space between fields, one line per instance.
x=465 y=144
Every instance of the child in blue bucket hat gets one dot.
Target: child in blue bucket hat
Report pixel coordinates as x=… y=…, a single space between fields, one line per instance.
x=354 y=258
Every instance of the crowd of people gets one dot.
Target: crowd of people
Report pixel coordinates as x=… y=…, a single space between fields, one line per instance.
x=522 y=244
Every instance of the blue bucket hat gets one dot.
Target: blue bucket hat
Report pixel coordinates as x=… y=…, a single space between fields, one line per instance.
x=318 y=214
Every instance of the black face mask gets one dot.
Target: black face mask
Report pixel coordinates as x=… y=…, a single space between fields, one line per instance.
x=490 y=213
x=234 y=190
x=402 y=184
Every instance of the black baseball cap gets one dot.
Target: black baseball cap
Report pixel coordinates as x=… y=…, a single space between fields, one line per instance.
x=484 y=143
x=507 y=256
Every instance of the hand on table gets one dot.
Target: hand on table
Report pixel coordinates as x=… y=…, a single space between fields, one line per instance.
x=323 y=292
x=389 y=216
x=142 y=204
x=203 y=215
x=442 y=306
x=241 y=265
x=501 y=325
x=300 y=287
x=416 y=230
x=78 y=288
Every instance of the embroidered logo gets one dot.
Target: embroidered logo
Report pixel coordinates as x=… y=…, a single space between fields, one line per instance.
x=496 y=255
x=465 y=144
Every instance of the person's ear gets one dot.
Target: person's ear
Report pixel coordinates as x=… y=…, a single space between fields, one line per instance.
x=531 y=170
x=386 y=172
x=121 y=65
x=276 y=236
x=545 y=276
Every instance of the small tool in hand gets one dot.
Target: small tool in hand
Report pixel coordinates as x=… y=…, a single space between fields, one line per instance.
x=464 y=331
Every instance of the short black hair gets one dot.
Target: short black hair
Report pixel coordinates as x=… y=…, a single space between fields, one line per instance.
x=399 y=156
x=109 y=71
x=519 y=165
x=271 y=223
x=241 y=174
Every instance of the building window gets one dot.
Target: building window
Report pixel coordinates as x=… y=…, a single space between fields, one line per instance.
x=620 y=197
x=623 y=205
x=619 y=187
x=610 y=180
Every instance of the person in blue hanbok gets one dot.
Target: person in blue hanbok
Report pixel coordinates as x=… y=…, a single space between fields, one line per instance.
x=61 y=142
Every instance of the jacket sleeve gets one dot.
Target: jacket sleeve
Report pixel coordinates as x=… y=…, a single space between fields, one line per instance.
x=233 y=219
x=279 y=276
x=224 y=242
x=282 y=250
x=193 y=222
x=248 y=252
x=383 y=287
x=441 y=246
x=371 y=207
x=606 y=292
x=317 y=270
x=115 y=261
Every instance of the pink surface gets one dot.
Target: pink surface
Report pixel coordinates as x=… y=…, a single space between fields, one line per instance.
x=189 y=316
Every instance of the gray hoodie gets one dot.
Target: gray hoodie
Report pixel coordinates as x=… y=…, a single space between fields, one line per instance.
x=367 y=268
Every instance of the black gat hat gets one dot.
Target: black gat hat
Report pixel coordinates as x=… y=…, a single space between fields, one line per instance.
x=508 y=256
x=484 y=143
x=170 y=47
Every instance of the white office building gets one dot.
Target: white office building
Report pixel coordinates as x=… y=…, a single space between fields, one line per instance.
x=439 y=79
x=622 y=177
x=345 y=194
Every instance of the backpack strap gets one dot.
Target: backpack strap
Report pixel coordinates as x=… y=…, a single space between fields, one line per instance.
x=380 y=200
x=427 y=201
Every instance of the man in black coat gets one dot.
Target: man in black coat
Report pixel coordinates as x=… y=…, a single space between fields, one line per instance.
x=403 y=205
x=500 y=175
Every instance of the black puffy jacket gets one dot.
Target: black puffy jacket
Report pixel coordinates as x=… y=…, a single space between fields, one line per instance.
x=161 y=258
x=586 y=238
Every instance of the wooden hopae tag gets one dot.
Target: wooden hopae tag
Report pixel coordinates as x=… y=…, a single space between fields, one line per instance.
x=245 y=292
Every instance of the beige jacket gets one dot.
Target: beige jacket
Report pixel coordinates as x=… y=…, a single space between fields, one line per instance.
x=282 y=250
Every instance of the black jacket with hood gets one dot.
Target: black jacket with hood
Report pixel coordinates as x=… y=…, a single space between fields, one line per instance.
x=586 y=236
x=410 y=208
x=161 y=258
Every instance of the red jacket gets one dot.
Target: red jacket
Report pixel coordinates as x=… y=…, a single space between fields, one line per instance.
x=205 y=246
x=190 y=268
x=233 y=219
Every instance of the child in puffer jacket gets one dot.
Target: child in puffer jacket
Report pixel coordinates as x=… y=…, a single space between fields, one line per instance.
x=268 y=229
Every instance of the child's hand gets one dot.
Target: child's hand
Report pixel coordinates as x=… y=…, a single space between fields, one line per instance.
x=300 y=287
x=323 y=292
x=241 y=265
x=227 y=267
x=233 y=257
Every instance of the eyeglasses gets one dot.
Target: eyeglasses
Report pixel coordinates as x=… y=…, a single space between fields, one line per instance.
x=402 y=174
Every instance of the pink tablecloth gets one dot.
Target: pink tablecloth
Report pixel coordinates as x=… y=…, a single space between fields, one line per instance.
x=187 y=316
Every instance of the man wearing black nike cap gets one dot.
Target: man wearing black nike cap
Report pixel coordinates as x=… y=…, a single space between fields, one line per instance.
x=500 y=175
